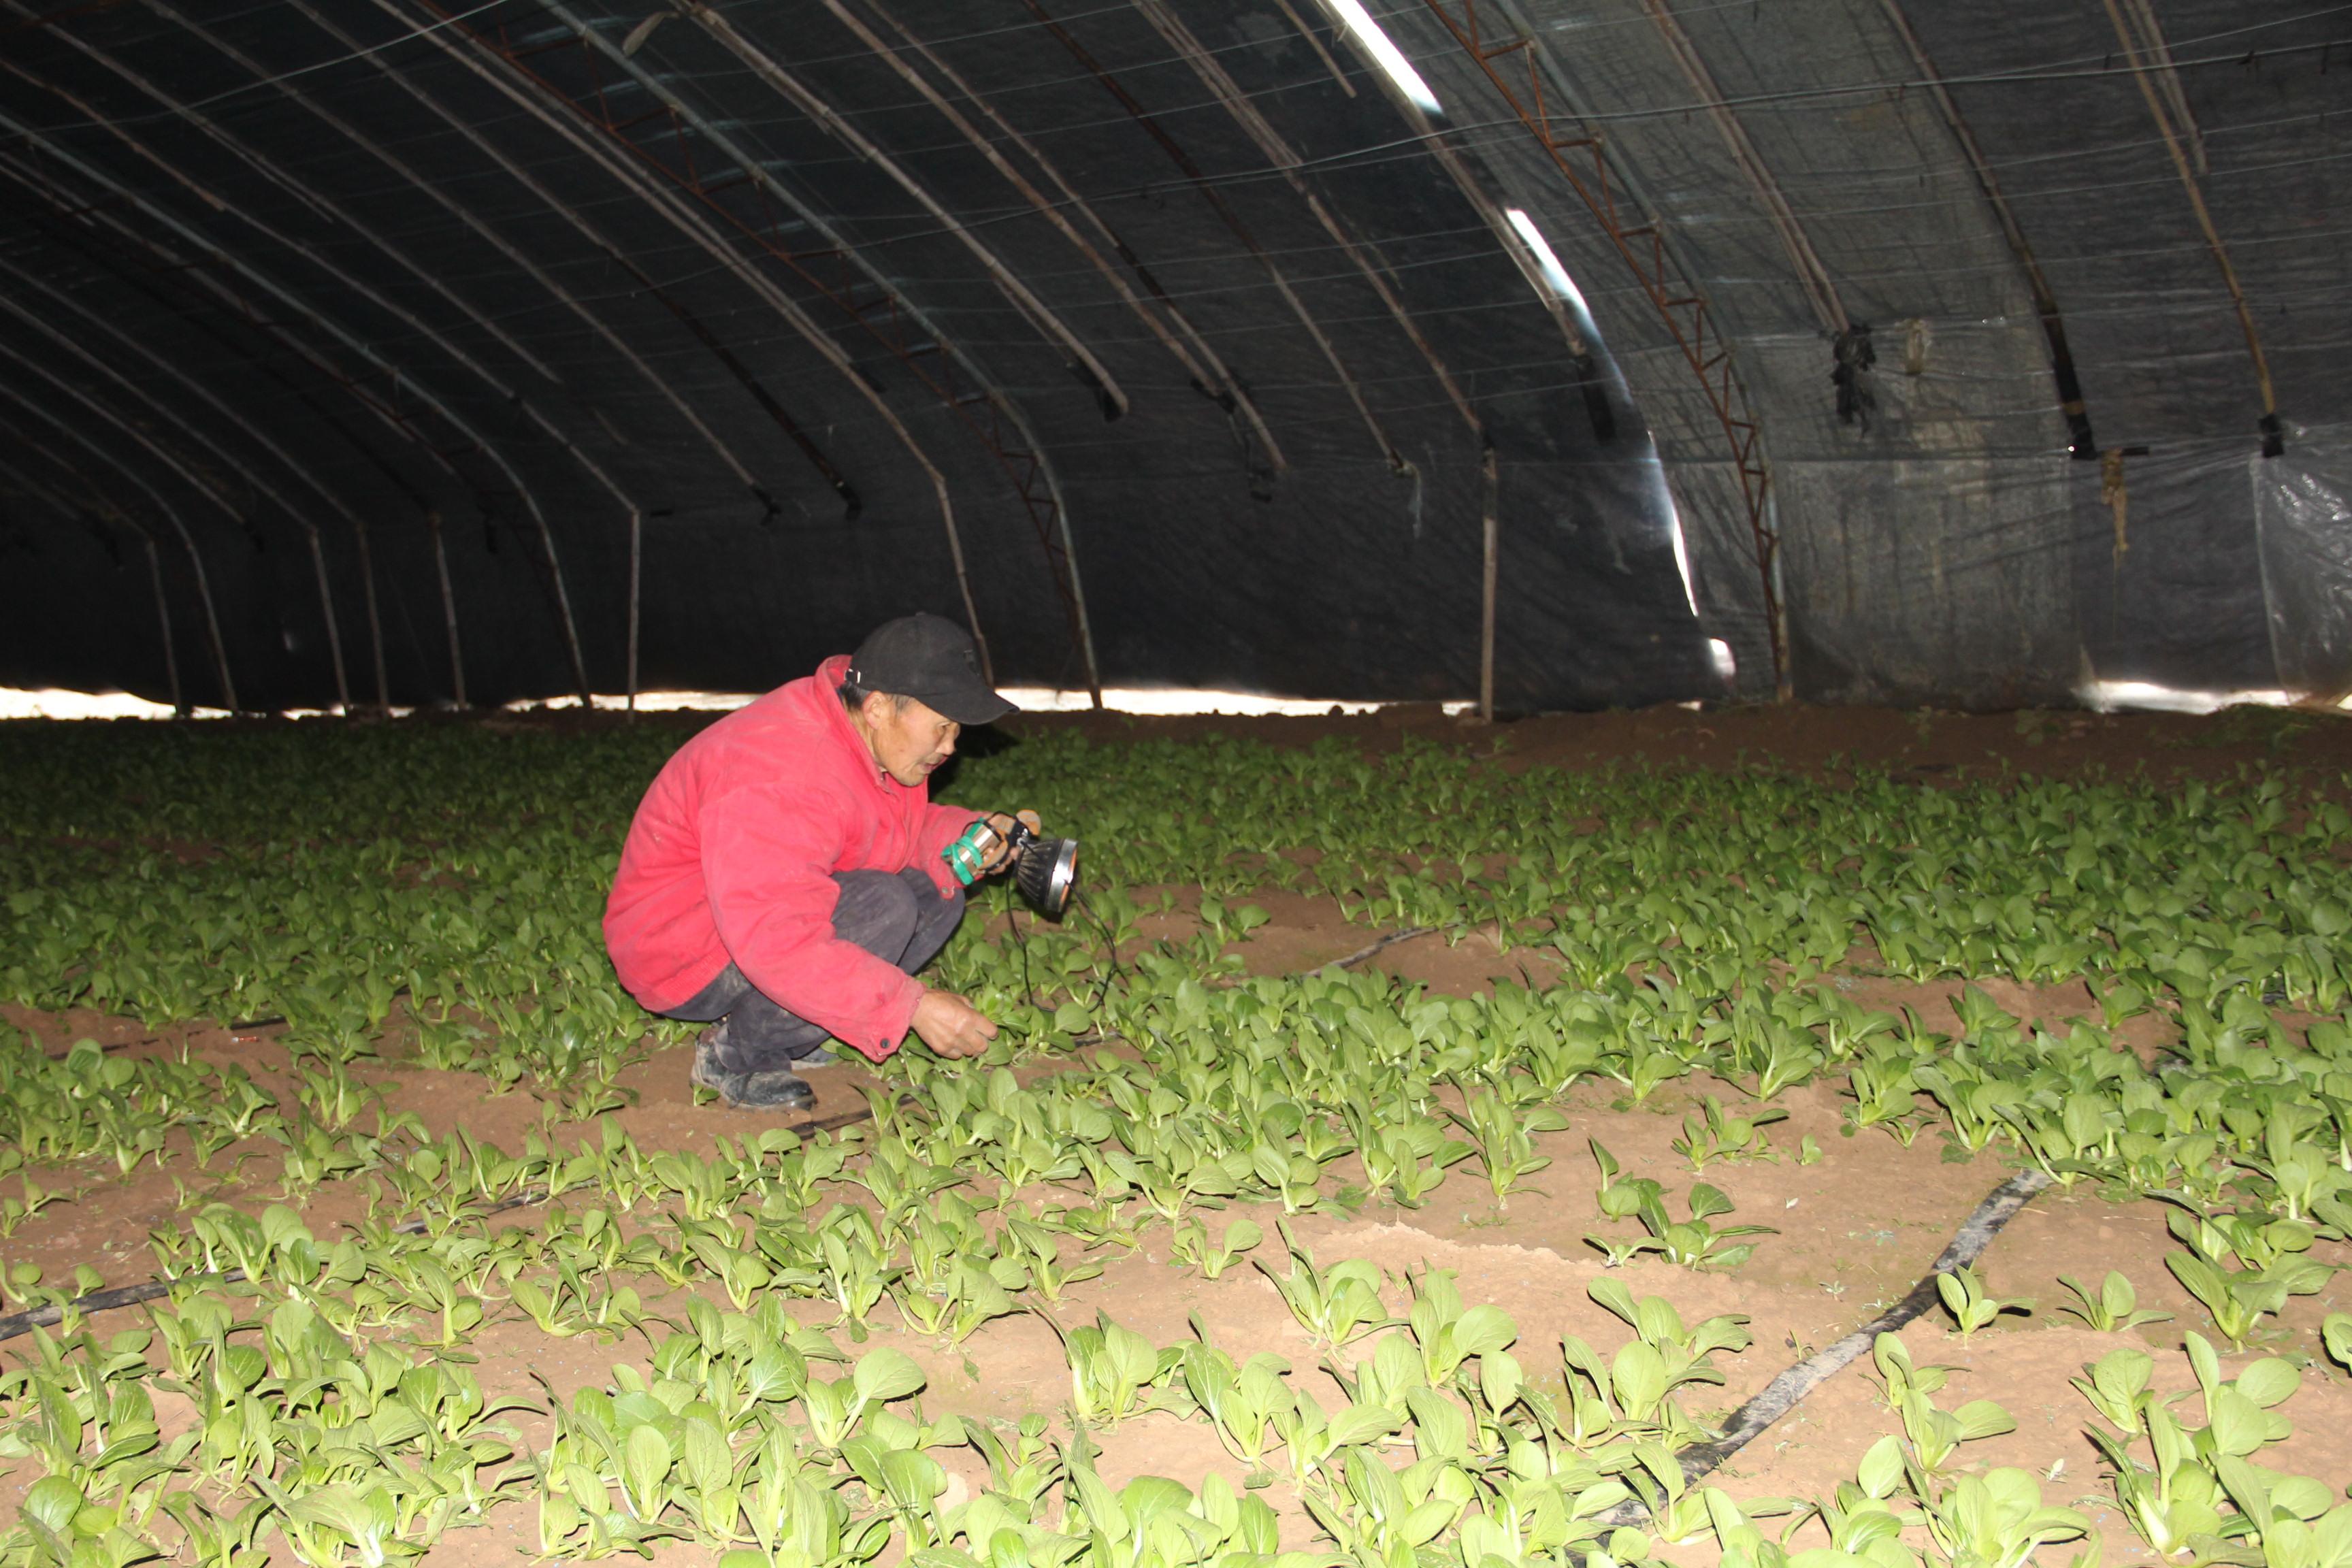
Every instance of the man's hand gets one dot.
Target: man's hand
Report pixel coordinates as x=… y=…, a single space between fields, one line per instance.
x=953 y=1026
x=1000 y=855
x=1003 y=846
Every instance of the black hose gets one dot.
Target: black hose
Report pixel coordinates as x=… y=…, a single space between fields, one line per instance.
x=1782 y=1394
x=131 y=1295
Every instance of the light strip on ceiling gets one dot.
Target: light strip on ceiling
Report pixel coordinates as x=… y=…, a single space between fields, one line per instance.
x=1352 y=14
x=1554 y=275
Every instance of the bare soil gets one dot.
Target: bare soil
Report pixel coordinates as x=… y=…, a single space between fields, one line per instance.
x=1854 y=1229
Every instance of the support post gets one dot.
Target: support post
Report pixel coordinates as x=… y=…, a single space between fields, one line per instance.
x=334 y=633
x=1491 y=527
x=636 y=577
x=164 y=617
x=375 y=619
x=448 y=608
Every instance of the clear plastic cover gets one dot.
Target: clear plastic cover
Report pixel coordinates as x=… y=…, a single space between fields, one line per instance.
x=2302 y=510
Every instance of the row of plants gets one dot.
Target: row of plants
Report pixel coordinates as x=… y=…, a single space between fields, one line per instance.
x=1431 y=1441
x=452 y=879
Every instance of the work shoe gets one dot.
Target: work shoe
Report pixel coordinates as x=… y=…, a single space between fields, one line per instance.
x=816 y=1055
x=771 y=1089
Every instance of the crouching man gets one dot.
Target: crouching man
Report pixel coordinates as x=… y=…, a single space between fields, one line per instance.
x=783 y=878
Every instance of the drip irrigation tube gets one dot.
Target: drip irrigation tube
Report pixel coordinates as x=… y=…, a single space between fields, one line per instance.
x=1783 y=1394
x=1382 y=945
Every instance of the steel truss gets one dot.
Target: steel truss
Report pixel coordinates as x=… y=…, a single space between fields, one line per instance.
x=1583 y=162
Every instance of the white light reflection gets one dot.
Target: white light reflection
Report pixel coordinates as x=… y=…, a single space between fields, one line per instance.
x=1547 y=263
x=1352 y=14
x=2147 y=697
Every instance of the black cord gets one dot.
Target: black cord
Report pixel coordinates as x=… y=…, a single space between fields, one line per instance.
x=1110 y=946
x=1013 y=923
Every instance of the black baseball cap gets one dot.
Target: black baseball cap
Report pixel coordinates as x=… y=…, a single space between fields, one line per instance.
x=932 y=660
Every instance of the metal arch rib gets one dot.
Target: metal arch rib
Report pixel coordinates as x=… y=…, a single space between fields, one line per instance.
x=588 y=231
x=1821 y=289
x=1208 y=192
x=801 y=96
x=392 y=418
x=1200 y=362
x=2082 y=444
x=935 y=360
x=1641 y=246
x=268 y=171
x=252 y=431
x=201 y=483
x=697 y=228
x=1288 y=163
x=1055 y=516
x=170 y=514
x=448 y=346
x=398 y=378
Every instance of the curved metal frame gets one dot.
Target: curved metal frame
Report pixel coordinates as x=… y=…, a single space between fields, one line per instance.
x=170 y=514
x=398 y=378
x=100 y=510
x=1676 y=298
x=697 y=228
x=860 y=291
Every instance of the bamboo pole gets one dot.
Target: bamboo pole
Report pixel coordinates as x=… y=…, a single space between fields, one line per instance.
x=1288 y=163
x=587 y=230
x=103 y=511
x=1040 y=315
x=375 y=621
x=334 y=634
x=590 y=318
x=1209 y=192
x=244 y=152
x=2147 y=54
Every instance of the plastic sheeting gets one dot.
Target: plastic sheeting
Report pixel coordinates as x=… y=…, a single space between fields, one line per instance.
x=1937 y=544
x=2303 y=511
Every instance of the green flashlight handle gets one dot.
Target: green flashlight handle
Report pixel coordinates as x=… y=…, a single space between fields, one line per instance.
x=967 y=857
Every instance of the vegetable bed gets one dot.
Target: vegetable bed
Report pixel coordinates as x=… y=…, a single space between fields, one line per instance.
x=1228 y=1254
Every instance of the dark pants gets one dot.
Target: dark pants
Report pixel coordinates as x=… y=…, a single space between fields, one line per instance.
x=900 y=918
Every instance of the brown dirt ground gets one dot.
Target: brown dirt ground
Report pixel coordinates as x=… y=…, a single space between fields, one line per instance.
x=1853 y=1230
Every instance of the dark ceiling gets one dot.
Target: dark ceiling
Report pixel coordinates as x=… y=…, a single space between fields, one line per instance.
x=1172 y=342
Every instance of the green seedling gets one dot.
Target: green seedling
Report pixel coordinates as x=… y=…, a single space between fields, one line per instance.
x=1407 y=1157
x=1110 y=1369
x=1448 y=1333
x=1336 y=1305
x=2114 y=1308
x=2117 y=1387
x=1935 y=1435
x=15 y=1212
x=1972 y=1306
x=1694 y=1243
x=1997 y=1519
x=835 y=1408
x=1711 y=1134
x=1504 y=1136
x=1188 y=1243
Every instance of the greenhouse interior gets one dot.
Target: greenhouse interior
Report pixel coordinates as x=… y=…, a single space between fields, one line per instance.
x=1175 y=783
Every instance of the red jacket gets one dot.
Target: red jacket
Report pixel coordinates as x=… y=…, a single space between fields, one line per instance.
x=732 y=853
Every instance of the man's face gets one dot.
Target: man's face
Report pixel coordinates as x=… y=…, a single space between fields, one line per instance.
x=907 y=742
